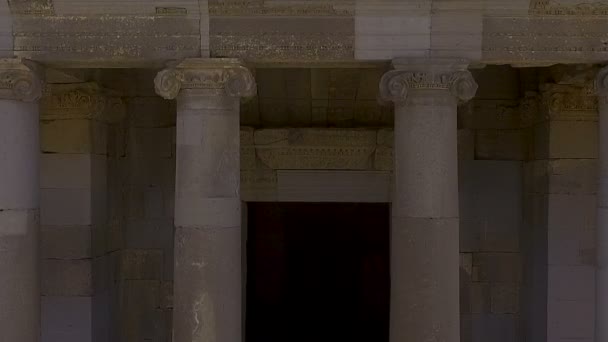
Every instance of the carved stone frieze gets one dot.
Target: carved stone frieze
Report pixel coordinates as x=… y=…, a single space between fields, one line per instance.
x=19 y=80
x=80 y=101
x=565 y=102
x=283 y=8
x=308 y=149
x=555 y=8
x=31 y=7
x=216 y=77
x=427 y=74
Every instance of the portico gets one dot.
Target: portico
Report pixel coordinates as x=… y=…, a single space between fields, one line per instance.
x=125 y=196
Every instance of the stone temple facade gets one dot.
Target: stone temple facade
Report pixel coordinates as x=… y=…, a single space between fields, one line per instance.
x=157 y=159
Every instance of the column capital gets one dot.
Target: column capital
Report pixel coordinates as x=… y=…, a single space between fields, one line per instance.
x=601 y=82
x=215 y=77
x=80 y=101
x=412 y=74
x=19 y=80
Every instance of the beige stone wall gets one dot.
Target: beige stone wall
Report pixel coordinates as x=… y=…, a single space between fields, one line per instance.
x=491 y=148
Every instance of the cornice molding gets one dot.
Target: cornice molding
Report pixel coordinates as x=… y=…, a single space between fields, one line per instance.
x=214 y=77
x=411 y=75
x=20 y=80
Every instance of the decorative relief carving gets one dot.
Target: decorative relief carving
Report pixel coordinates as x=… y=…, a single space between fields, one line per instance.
x=285 y=8
x=420 y=74
x=550 y=7
x=80 y=101
x=220 y=77
x=315 y=148
x=19 y=80
x=72 y=101
x=283 y=46
x=32 y=7
x=565 y=102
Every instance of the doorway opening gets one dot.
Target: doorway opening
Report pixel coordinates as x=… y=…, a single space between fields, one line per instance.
x=317 y=272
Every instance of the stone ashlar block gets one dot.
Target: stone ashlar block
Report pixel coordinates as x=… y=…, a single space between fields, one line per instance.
x=73 y=136
x=137 y=264
x=576 y=283
x=500 y=144
x=66 y=319
x=61 y=207
x=573 y=139
x=70 y=171
x=504 y=298
x=570 y=319
x=573 y=176
x=67 y=277
x=65 y=242
x=497 y=267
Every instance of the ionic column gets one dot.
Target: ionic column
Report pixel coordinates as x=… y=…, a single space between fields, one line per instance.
x=424 y=232
x=601 y=276
x=207 y=277
x=20 y=89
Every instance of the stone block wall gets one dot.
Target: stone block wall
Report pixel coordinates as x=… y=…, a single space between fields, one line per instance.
x=144 y=261
x=491 y=149
x=560 y=205
x=75 y=119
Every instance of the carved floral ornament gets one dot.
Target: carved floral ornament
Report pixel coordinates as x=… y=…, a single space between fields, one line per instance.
x=19 y=80
x=396 y=85
x=81 y=101
x=229 y=78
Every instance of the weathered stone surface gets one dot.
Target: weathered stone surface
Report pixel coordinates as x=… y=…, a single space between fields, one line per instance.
x=387 y=29
x=505 y=298
x=434 y=291
x=493 y=144
x=104 y=40
x=65 y=242
x=544 y=40
x=141 y=264
x=67 y=277
x=499 y=267
x=66 y=318
x=73 y=136
x=315 y=149
x=287 y=30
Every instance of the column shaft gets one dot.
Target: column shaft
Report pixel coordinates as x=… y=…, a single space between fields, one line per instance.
x=207 y=288
x=424 y=234
x=19 y=204
x=424 y=231
x=207 y=278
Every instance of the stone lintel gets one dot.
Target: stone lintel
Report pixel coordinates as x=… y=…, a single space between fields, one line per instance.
x=213 y=77
x=415 y=74
x=81 y=101
x=20 y=80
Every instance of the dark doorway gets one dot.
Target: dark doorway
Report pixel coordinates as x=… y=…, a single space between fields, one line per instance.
x=317 y=272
